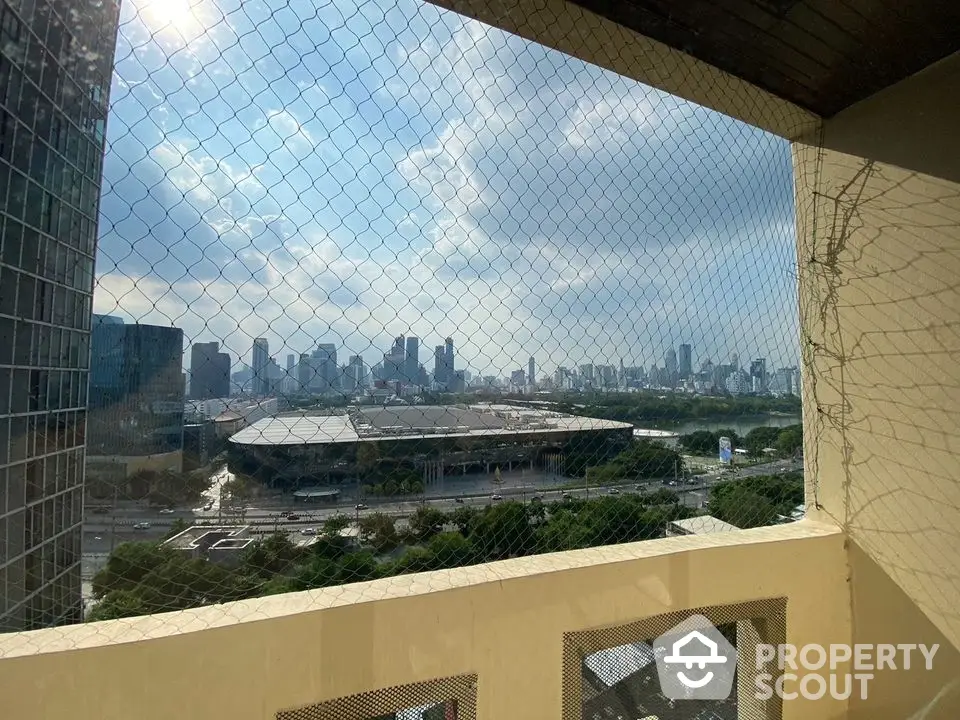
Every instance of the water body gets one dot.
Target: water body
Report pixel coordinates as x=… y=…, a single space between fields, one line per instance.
x=741 y=424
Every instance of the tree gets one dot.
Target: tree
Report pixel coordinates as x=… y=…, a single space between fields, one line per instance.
x=758 y=500
x=743 y=508
x=378 y=530
x=426 y=522
x=503 y=530
x=269 y=556
x=760 y=438
x=701 y=442
x=237 y=488
x=335 y=524
x=368 y=457
x=464 y=517
x=415 y=559
x=790 y=440
x=128 y=565
x=118 y=604
x=451 y=549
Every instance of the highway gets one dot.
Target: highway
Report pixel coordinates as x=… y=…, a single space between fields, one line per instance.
x=118 y=523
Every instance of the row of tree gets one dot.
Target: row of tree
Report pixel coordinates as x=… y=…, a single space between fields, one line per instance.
x=649 y=407
x=146 y=577
x=784 y=440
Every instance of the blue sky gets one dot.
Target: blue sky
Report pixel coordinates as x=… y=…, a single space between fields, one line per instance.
x=346 y=172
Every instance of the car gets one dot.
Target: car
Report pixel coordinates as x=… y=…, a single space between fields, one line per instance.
x=536 y=498
x=361 y=506
x=308 y=531
x=567 y=496
x=167 y=511
x=496 y=497
x=100 y=510
x=613 y=491
x=141 y=526
x=292 y=516
x=458 y=500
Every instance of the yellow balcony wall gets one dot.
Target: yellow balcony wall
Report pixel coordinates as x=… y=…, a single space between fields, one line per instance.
x=503 y=621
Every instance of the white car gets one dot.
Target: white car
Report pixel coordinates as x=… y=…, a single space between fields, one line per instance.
x=308 y=531
x=141 y=526
x=496 y=497
x=167 y=511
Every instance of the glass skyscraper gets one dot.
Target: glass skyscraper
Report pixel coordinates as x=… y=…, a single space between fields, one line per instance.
x=136 y=394
x=56 y=61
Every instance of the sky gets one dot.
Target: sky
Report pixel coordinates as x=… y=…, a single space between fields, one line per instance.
x=347 y=172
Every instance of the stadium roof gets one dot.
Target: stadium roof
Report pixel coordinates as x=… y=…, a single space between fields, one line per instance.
x=416 y=422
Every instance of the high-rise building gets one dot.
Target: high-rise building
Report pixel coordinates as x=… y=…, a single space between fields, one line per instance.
x=670 y=367
x=303 y=373
x=136 y=395
x=259 y=363
x=758 y=375
x=531 y=371
x=291 y=361
x=439 y=366
x=449 y=366
x=209 y=371
x=411 y=373
x=56 y=62
x=685 y=368
x=324 y=375
x=355 y=375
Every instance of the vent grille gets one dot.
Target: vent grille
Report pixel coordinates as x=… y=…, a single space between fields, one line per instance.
x=452 y=698
x=611 y=672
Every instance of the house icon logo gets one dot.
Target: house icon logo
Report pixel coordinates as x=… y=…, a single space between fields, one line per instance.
x=695 y=661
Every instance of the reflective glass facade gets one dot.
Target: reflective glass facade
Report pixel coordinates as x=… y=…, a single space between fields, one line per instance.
x=55 y=66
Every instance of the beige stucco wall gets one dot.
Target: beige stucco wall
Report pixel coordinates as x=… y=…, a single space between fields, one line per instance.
x=504 y=621
x=879 y=253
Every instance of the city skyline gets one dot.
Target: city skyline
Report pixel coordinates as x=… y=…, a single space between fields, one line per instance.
x=682 y=367
x=658 y=214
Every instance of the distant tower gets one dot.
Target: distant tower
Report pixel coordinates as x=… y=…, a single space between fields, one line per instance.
x=686 y=362
x=259 y=364
x=411 y=371
x=531 y=371
x=439 y=365
x=448 y=359
x=670 y=367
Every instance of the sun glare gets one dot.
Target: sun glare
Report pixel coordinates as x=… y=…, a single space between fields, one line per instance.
x=178 y=15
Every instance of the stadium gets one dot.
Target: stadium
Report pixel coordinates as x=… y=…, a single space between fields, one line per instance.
x=429 y=443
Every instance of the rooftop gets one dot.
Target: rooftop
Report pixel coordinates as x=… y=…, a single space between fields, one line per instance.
x=704 y=524
x=415 y=423
x=198 y=535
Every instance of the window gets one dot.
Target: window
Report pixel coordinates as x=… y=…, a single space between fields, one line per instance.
x=25 y=305
x=7 y=125
x=12 y=246
x=18 y=195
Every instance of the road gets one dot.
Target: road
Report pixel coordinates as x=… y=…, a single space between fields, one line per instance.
x=266 y=516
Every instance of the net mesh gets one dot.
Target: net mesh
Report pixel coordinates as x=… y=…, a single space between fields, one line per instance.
x=442 y=699
x=612 y=671
x=378 y=289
